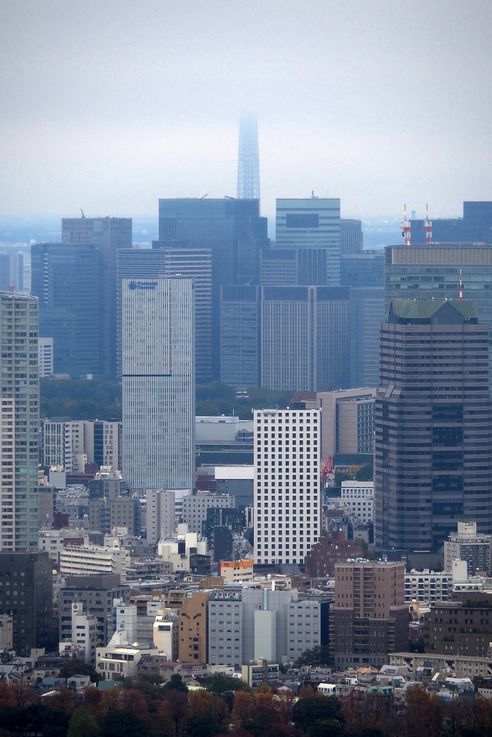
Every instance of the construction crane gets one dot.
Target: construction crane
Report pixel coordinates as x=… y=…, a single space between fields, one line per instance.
x=327 y=471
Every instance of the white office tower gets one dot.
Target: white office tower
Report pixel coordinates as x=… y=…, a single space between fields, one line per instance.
x=45 y=357
x=158 y=383
x=160 y=515
x=84 y=633
x=286 y=484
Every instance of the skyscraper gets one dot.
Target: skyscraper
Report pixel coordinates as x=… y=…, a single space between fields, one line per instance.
x=287 y=494
x=234 y=232
x=432 y=424
x=145 y=263
x=67 y=282
x=305 y=338
x=312 y=223
x=248 y=167
x=110 y=234
x=434 y=271
x=240 y=336
x=366 y=316
x=19 y=422
x=351 y=236
x=158 y=383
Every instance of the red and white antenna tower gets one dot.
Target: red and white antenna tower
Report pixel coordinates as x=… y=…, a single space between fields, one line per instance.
x=460 y=287
x=406 y=228
x=427 y=227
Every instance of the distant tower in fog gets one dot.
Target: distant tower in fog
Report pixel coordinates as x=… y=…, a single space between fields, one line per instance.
x=248 y=167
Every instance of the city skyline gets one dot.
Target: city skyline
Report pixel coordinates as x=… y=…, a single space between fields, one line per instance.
x=369 y=103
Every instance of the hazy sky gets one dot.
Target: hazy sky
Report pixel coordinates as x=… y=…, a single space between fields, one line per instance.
x=110 y=104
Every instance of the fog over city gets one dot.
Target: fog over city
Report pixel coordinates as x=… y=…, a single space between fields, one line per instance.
x=110 y=105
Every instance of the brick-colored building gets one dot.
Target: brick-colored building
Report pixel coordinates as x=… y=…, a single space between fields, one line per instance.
x=193 y=625
x=369 y=618
x=461 y=626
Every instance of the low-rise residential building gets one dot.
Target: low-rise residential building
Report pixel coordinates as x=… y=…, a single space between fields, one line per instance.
x=257 y=672
x=467 y=544
x=118 y=659
x=428 y=586
x=233 y=571
x=178 y=550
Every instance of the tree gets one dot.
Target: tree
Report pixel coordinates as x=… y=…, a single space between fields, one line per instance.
x=424 y=713
x=123 y=724
x=313 y=709
x=77 y=667
x=220 y=684
x=243 y=709
x=83 y=724
x=175 y=683
x=319 y=655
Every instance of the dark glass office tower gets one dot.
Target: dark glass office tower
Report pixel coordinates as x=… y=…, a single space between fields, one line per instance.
x=235 y=234
x=305 y=338
x=240 y=336
x=67 y=282
x=110 y=234
x=433 y=463
x=474 y=227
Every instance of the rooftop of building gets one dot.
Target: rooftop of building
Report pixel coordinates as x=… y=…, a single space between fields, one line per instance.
x=426 y=310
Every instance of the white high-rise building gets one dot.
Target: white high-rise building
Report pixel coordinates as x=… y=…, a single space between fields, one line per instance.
x=158 y=383
x=286 y=484
x=160 y=514
x=45 y=357
x=19 y=422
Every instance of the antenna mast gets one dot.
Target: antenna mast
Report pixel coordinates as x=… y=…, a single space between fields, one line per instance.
x=406 y=228
x=427 y=227
x=460 y=287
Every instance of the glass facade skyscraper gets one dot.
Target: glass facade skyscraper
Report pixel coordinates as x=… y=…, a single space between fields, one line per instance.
x=432 y=423
x=110 y=234
x=67 y=282
x=312 y=223
x=158 y=383
x=305 y=338
x=240 y=336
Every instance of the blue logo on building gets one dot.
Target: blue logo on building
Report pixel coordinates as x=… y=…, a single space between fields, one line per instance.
x=141 y=284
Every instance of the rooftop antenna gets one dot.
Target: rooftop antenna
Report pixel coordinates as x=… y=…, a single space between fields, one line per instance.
x=460 y=287
x=406 y=228
x=427 y=227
